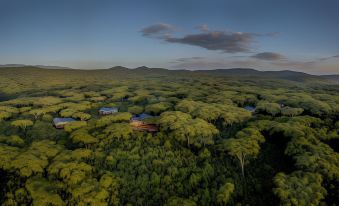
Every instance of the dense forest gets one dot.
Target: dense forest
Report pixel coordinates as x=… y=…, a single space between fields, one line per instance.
x=219 y=139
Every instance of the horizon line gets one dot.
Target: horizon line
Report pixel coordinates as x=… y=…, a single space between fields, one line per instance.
x=40 y=66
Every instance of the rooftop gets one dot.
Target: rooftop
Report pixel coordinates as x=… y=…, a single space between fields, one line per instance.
x=249 y=108
x=60 y=120
x=141 y=116
x=108 y=109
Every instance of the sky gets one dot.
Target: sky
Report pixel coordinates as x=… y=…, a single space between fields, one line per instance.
x=300 y=35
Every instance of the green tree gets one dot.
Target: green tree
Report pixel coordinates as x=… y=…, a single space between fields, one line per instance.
x=185 y=129
x=157 y=108
x=174 y=201
x=82 y=136
x=71 y=126
x=299 y=188
x=37 y=113
x=268 y=107
x=81 y=115
x=5 y=115
x=22 y=123
x=243 y=149
x=136 y=109
x=224 y=193
x=116 y=117
x=118 y=130
x=289 y=111
x=43 y=192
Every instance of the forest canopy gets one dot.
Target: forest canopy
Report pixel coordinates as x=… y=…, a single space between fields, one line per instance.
x=176 y=138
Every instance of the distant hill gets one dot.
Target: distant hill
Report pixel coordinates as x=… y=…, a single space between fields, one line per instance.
x=38 y=66
x=285 y=74
x=234 y=71
x=160 y=72
x=334 y=77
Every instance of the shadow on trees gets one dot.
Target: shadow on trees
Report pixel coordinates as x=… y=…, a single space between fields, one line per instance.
x=261 y=171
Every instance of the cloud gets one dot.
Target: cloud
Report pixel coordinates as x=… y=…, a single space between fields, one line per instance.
x=228 y=42
x=158 y=30
x=272 y=34
x=203 y=27
x=328 y=58
x=312 y=66
x=269 y=56
x=224 y=41
x=187 y=59
x=195 y=63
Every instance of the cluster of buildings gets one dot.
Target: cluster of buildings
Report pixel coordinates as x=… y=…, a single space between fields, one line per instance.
x=138 y=122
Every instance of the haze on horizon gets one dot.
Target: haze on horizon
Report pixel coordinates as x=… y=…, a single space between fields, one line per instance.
x=299 y=35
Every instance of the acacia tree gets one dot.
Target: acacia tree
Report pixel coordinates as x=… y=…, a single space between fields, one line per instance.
x=5 y=115
x=135 y=109
x=244 y=146
x=174 y=201
x=224 y=193
x=268 y=107
x=157 y=108
x=7 y=112
x=185 y=129
x=314 y=156
x=118 y=130
x=71 y=126
x=83 y=137
x=37 y=113
x=290 y=111
x=28 y=161
x=22 y=123
x=82 y=116
x=299 y=188
x=242 y=149
x=116 y=117
x=43 y=192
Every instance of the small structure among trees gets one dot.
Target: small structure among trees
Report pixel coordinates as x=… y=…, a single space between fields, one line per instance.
x=108 y=110
x=60 y=123
x=140 y=117
x=138 y=123
x=250 y=108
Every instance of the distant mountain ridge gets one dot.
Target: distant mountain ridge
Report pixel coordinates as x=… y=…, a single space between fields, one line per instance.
x=238 y=72
x=333 y=77
x=283 y=74
x=38 y=66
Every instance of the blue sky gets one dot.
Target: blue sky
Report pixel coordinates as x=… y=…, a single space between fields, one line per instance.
x=299 y=35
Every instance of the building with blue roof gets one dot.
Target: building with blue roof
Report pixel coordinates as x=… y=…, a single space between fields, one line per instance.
x=59 y=123
x=250 y=108
x=138 y=123
x=108 y=110
x=141 y=117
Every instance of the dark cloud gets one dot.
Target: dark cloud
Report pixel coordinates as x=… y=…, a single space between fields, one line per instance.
x=228 y=42
x=336 y=56
x=225 y=41
x=214 y=64
x=185 y=59
x=157 y=30
x=269 y=56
